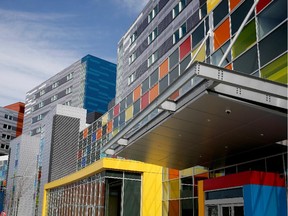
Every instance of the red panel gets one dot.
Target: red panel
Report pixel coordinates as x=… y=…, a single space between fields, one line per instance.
x=261 y=4
x=174 y=208
x=244 y=178
x=145 y=100
x=185 y=48
x=116 y=110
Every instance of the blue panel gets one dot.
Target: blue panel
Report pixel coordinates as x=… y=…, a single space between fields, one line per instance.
x=100 y=83
x=1 y=200
x=260 y=200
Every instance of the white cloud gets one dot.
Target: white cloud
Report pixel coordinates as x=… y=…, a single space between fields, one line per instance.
x=134 y=6
x=30 y=52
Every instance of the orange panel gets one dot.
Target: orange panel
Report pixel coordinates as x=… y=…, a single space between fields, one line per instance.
x=137 y=93
x=164 y=68
x=222 y=34
x=173 y=173
x=229 y=66
x=175 y=95
x=233 y=4
x=109 y=127
x=99 y=133
x=85 y=133
x=154 y=92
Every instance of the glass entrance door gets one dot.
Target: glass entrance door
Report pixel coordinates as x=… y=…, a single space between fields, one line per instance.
x=225 y=210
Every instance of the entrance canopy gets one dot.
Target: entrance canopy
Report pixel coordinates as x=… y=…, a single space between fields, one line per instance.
x=216 y=114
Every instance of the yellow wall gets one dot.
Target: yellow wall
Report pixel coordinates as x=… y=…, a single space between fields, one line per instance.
x=151 y=181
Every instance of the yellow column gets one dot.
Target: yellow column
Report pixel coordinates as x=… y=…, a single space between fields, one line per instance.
x=44 y=203
x=152 y=192
x=201 y=199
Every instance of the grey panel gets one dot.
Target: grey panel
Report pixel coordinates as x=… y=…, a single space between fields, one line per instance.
x=64 y=146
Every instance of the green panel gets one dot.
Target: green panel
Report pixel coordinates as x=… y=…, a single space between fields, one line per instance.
x=276 y=70
x=246 y=38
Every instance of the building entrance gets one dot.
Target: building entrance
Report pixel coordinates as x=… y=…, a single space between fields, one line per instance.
x=225 y=210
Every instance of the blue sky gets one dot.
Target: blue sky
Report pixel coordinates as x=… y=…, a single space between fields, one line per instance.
x=39 y=38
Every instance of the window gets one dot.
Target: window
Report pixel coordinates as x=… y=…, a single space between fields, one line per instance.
x=39 y=117
x=32 y=108
x=53 y=98
x=8 y=137
x=179 y=33
x=68 y=103
x=131 y=78
x=69 y=76
x=41 y=104
x=3 y=136
x=178 y=8
x=132 y=58
x=154 y=78
x=9 y=127
x=6 y=116
x=152 y=58
x=152 y=14
x=54 y=85
x=69 y=90
x=5 y=126
x=145 y=86
x=42 y=92
x=152 y=36
x=133 y=37
x=38 y=130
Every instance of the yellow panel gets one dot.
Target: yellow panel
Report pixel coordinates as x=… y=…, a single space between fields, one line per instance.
x=211 y=4
x=199 y=170
x=115 y=131
x=186 y=172
x=165 y=174
x=165 y=191
x=105 y=119
x=201 y=199
x=201 y=54
x=165 y=208
x=129 y=113
x=276 y=70
x=174 y=192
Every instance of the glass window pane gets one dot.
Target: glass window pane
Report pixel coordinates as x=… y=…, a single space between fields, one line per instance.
x=145 y=85
x=273 y=44
x=239 y=15
x=163 y=84
x=248 y=62
x=173 y=59
x=129 y=99
x=272 y=16
x=198 y=34
x=220 y=12
x=122 y=105
x=246 y=38
x=132 y=198
x=184 y=63
x=173 y=75
x=136 y=107
x=276 y=70
x=217 y=56
x=154 y=77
